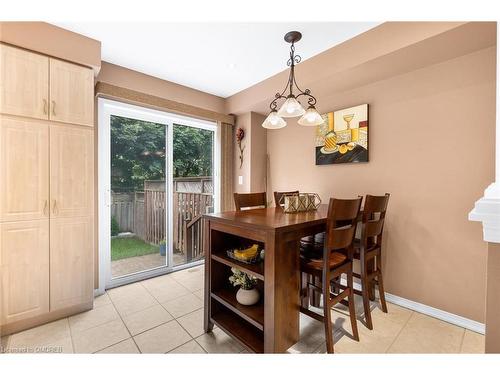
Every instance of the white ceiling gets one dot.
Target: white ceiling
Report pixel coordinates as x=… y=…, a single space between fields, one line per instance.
x=218 y=58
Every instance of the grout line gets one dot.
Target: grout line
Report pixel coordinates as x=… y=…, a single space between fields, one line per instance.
x=462 y=341
x=71 y=336
x=121 y=318
x=401 y=330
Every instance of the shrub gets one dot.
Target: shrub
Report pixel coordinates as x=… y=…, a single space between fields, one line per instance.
x=115 y=229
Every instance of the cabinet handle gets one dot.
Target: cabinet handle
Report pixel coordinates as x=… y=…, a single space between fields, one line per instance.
x=54 y=208
x=45 y=207
x=53 y=108
x=44 y=106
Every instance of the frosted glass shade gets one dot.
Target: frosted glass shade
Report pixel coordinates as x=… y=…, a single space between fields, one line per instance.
x=311 y=118
x=273 y=121
x=291 y=108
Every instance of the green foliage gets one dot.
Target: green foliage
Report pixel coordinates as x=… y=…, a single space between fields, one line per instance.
x=127 y=247
x=115 y=229
x=138 y=152
x=242 y=279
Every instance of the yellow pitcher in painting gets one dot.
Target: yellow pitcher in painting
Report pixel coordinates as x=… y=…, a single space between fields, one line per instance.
x=330 y=140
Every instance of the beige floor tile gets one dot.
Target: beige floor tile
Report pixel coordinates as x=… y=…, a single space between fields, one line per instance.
x=92 y=318
x=168 y=292
x=64 y=346
x=125 y=347
x=158 y=282
x=183 y=305
x=162 y=339
x=102 y=300
x=146 y=319
x=193 y=323
x=191 y=278
x=424 y=334
x=41 y=336
x=100 y=337
x=312 y=334
x=127 y=291
x=191 y=347
x=200 y=294
x=473 y=343
x=132 y=304
x=4 y=341
x=218 y=342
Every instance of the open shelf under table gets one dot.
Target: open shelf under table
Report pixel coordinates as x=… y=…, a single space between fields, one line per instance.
x=256 y=270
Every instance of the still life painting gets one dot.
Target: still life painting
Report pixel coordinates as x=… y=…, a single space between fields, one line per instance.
x=343 y=136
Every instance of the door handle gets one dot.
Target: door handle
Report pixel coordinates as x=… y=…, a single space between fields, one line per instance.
x=44 y=106
x=45 y=207
x=53 y=108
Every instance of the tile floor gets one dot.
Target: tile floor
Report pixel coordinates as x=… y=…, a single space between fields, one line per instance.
x=165 y=315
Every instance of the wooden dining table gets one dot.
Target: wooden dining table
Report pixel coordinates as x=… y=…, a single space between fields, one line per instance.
x=272 y=325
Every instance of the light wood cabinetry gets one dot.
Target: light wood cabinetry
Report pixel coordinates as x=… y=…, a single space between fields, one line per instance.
x=71 y=93
x=24 y=265
x=71 y=171
x=46 y=189
x=24 y=83
x=71 y=262
x=24 y=169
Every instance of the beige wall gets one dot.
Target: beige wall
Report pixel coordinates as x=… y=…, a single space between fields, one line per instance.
x=130 y=79
x=254 y=166
x=432 y=147
x=493 y=300
x=53 y=41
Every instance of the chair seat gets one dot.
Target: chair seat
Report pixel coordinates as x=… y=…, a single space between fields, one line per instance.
x=337 y=259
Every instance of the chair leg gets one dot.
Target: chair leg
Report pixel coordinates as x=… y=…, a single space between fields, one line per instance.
x=365 y=285
x=327 y=313
x=352 y=308
x=381 y=290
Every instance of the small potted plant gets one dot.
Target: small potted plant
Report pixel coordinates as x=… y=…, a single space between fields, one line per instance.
x=247 y=294
x=163 y=248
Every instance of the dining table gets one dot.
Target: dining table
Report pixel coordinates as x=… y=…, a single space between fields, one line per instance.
x=271 y=325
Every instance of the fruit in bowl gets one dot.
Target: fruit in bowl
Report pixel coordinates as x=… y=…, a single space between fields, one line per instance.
x=248 y=253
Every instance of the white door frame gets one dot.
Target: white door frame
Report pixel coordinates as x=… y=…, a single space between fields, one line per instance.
x=107 y=108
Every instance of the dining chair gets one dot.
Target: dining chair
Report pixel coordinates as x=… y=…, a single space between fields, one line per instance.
x=337 y=259
x=250 y=200
x=279 y=194
x=369 y=249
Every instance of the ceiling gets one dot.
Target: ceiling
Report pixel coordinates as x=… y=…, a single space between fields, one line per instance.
x=218 y=58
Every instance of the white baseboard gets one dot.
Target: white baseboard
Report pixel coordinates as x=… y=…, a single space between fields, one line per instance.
x=446 y=316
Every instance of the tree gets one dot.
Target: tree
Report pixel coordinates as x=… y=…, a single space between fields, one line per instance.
x=138 y=152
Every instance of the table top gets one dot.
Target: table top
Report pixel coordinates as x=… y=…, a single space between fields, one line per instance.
x=271 y=218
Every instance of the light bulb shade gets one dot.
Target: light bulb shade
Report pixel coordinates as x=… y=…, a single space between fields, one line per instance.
x=311 y=118
x=273 y=121
x=291 y=108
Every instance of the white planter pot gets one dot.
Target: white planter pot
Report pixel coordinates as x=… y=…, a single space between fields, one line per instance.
x=247 y=297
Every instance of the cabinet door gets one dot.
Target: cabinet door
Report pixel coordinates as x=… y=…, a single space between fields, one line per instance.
x=24 y=83
x=24 y=266
x=71 y=262
x=71 y=93
x=24 y=169
x=71 y=171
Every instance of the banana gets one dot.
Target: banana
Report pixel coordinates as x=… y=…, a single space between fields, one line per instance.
x=247 y=253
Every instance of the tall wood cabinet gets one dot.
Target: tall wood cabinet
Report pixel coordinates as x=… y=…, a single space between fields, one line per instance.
x=46 y=188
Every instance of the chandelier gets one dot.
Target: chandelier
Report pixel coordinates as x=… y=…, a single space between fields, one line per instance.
x=291 y=106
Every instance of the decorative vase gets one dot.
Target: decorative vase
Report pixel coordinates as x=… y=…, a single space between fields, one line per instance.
x=247 y=296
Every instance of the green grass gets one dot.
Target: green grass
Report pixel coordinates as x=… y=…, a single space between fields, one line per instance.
x=128 y=247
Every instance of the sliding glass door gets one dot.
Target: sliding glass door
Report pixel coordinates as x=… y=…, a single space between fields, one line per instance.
x=157 y=177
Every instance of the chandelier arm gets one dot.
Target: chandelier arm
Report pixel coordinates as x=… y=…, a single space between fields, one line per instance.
x=311 y=99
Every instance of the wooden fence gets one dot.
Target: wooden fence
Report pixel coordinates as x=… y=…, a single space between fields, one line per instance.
x=144 y=214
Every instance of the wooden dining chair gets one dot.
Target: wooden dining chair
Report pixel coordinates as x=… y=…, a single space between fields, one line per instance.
x=338 y=252
x=279 y=194
x=250 y=200
x=369 y=249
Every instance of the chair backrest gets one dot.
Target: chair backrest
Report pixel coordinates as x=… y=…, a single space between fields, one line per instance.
x=373 y=220
x=279 y=194
x=250 y=200
x=341 y=226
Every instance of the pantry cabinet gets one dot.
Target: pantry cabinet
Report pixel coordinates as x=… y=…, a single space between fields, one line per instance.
x=37 y=86
x=46 y=189
x=24 y=83
x=24 y=265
